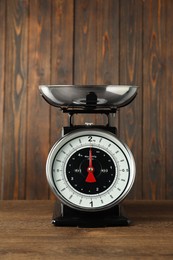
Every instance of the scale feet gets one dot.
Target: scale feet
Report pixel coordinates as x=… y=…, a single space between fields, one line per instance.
x=65 y=216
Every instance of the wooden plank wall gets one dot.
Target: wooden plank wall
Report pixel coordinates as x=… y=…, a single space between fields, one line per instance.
x=85 y=42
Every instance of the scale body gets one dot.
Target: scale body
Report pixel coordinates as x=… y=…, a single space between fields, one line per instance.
x=89 y=169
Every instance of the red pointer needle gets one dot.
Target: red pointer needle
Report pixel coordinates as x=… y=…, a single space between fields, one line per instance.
x=90 y=177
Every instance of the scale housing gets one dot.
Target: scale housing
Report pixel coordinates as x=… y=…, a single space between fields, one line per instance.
x=89 y=99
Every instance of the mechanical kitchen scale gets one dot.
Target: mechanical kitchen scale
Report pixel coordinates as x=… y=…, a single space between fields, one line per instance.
x=89 y=169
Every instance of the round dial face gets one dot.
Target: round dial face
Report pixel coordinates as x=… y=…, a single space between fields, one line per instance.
x=90 y=170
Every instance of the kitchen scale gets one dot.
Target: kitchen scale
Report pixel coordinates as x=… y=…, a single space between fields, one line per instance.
x=89 y=169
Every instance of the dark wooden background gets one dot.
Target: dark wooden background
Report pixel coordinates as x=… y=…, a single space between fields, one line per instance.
x=85 y=42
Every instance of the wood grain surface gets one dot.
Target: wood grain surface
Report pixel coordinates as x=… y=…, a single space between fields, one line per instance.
x=169 y=104
x=15 y=96
x=38 y=111
x=130 y=73
x=85 y=42
x=26 y=233
x=154 y=77
x=2 y=83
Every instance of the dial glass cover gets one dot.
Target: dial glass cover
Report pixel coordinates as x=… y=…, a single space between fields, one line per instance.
x=90 y=170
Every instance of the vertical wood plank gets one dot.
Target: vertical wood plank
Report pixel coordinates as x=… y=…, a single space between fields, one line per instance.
x=107 y=42
x=61 y=59
x=2 y=81
x=107 y=47
x=85 y=48
x=14 y=143
x=131 y=74
x=61 y=56
x=154 y=78
x=38 y=110
x=85 y=42
x=169 y=100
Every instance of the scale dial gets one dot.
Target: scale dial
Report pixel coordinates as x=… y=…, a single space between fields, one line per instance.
x=90 y=170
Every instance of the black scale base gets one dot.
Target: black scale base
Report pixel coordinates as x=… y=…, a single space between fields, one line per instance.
x=66 y=216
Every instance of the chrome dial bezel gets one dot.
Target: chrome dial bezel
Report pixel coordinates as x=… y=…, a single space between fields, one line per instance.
x=90 y=132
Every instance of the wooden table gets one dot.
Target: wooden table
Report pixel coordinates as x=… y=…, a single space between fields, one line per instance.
x=26 y=233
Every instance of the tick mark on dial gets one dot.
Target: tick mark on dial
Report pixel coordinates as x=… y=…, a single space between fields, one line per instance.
x=70 y=197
